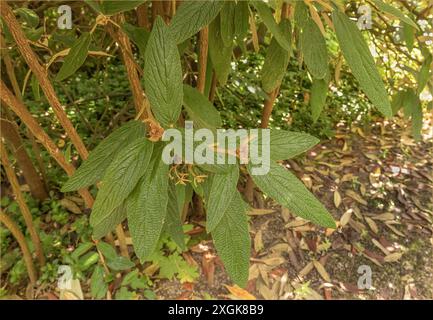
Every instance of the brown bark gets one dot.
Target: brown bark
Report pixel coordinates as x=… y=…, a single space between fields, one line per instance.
x=42 y=76
x=15 y=86
x=268 y=106
x=18 y=235
x=22 y=204
x=142 y=16
x=202 y=58
x=213 y=87
x=9 y=131
x=122 y=241
x=9 y=68
x=21 y=111
x=157 y=10
x=130 y=65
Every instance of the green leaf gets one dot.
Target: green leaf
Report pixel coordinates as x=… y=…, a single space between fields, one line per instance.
x=29 y=16
x=397 y=101
x=219 y=53
x=34 y=34
x=107 y=250
x=192 y=16
x=88 y=260
x=287 y=190
x=313 y=46
x=120 y=264
x=319 y=92
x=242 y=15
x=81 y=249
x=138 y=35
x=417 y=121
x=232 y=241
x=409 y=35
x=223 y=189
x=120 y=179
x=301 y=14
x=424 y=73
x=360 y=61
x=285 y=144
x=268 y=19
x=173 y=224
x=173 y=265
x=76 y=57
x=94 y=167
x=147 y=209
x=98 y=287
x=112 y=7
x=393 y=11
x=163 y=74
x=276 y=61
x=200 y=109
x=125 y=294
x=410 y=100
x=108 y=222
x=227 y=16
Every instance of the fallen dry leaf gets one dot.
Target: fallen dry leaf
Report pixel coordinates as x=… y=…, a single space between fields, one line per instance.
x=337 y=199
x=322 y=271
x=345 y=218
x=393 y=257
x=372 y=224
x=240 y=293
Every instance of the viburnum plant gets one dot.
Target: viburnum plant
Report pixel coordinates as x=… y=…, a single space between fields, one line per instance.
x=136 y=185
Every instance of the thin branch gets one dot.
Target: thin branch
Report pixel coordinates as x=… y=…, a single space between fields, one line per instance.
x=18 y=235
x=41 y=74
x=21 y=111
x=202 y=58
x=10 y=172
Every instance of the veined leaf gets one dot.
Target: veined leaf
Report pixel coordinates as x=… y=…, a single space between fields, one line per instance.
x=108 y=222
x=94 y=167
x=409 y=35
x=173 y=224
x=242 y=14
x=410 y=100
x=417 y=121
x=76 y=57
x=397 y=101
x=266 y=14
x=163 y=75
x=112 y=7
x=412 y=108
x=287 y=190
x=223 y=189
x=276 y=61
x=192 y=16
x=98 y=287
x=227 y=16
x=121 y=178
x=29 y=16
x=301 y=14
x=232 y=241
x=424 y=73
x=147 y=209
x=139 y=35
x=319 y=92
x=220 y=54
x=360 y=61
x=285 y=144
x=393 y=11
x=200 y=109
x=313 y=46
